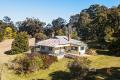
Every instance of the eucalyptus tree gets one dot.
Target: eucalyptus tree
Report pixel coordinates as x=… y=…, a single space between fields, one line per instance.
x=31 y=26
x=59 y=25
x=48 y=30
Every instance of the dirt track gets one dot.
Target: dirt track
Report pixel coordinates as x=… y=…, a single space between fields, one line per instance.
x=6 y=45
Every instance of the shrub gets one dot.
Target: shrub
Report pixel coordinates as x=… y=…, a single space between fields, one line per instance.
x=8 y=52
x=13 y=51
x=79 y=68
x=1 y=36
x=114 y=48
x=91 y=52
x=48 y=60
x=8 y=33
x=27 y=63
x=21 y=43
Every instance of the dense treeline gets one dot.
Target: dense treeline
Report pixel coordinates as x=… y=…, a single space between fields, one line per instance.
x=96 y=23
x=101 y=24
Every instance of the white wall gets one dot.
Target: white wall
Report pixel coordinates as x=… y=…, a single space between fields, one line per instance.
x=58 y=51
x=81 y=51
x=46 y=49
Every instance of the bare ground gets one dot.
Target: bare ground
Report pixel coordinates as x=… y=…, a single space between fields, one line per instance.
x=6 y=45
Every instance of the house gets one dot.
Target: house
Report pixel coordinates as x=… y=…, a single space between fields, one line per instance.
x=60 y=45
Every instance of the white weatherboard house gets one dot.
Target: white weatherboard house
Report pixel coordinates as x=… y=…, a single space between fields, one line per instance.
x=60 y=45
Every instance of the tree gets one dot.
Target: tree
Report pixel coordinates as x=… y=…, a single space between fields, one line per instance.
x=83 y=28
x=7 y=28
x=7 y=19
x=8 y=33
x=94 y=9
x=119 y=6
x=74 y=19
x=92 y=23
x=60 y=32
x=40 y=36
x=21 y=43
x=109 y=34
x=96 y=20
x=58 y=24
x=79 y=68
x=1 y=36
x=114 y=47
x=31 y=26
x=48 y=30
x=1 y=30
x=8 y=23
x=74 y=35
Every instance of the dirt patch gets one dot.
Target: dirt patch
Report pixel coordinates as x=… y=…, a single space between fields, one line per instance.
x=6 y=45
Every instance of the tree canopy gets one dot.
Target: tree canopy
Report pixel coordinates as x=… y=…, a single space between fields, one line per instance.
x=92 y=23
x=21 y=43
x=31 y=26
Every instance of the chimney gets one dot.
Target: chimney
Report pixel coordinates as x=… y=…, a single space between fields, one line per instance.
x=69 y=36
x=69 y=32
x=53 y=34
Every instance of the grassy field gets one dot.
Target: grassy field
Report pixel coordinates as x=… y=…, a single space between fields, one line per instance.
x=103 y=61
x=57 y=68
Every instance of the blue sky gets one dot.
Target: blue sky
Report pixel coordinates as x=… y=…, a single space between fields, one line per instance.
x=47 y=10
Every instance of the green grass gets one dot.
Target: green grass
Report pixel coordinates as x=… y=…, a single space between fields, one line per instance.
x=96 y=62
x=61 y=65
x=103 y=61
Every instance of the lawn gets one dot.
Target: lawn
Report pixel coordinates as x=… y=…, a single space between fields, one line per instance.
x=103 y=61
x=98 y=62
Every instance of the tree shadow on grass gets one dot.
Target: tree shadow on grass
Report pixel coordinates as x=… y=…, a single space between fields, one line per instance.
x=60 y=75
x=38 y=79
x=107 y=52
x=112 y=73
x=102 y=52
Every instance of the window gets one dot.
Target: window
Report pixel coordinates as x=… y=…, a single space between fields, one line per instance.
x=50 y=48
x=42 y=48
x=82 y=48
x=74 y=48
x=37 y=48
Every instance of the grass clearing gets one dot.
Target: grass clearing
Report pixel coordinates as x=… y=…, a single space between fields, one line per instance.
x=103 y=61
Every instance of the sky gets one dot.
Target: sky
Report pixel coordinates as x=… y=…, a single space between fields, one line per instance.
x=47 y=10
